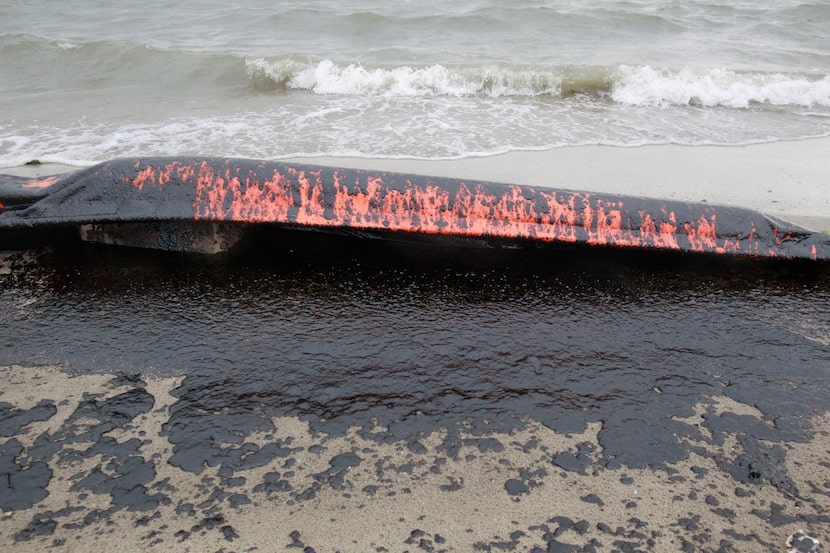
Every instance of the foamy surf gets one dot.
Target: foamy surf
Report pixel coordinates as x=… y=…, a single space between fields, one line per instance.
x=625 y=84
x=648 y=86
x=427 y=80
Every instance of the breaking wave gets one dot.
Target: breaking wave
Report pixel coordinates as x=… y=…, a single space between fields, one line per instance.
x=624 y=84
x=82 y=101
x=135 y=69
x=647 y=86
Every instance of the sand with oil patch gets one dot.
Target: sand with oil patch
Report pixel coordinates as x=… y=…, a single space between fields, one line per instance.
x=528 y=490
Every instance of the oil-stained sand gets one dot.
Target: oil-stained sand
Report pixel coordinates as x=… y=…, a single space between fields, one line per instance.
x=112 y=482
x=368 y=405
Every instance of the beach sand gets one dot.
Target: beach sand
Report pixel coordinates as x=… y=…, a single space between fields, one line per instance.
x=528 y=490
x=787 y=180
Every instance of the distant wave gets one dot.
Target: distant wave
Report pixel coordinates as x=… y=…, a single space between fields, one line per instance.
x=624 y=84
x=70 y=63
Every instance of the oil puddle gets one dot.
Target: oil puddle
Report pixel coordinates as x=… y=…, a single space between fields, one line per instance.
x=437 y=357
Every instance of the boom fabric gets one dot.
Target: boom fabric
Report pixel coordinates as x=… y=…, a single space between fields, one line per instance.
x=294 y=195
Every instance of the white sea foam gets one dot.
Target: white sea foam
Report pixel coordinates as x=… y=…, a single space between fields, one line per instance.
x=648 y=86
x=628 y=85
x=308 y=125
x=327 y=77
x=300 y=108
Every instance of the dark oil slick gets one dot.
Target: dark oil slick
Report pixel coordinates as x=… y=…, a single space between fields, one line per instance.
x=403 y=340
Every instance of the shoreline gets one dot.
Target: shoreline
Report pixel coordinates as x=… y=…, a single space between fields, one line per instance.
x=788 y=180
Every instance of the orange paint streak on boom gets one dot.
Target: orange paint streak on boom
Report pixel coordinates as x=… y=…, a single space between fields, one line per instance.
x=360 y=200
x=41 y=183
x=160 y=176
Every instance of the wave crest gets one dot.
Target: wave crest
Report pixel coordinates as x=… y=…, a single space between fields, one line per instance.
x=647 y=86
x=624 y=84
x=327 y=77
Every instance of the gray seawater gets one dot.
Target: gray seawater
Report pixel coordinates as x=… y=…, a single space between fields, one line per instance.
x=82 y=82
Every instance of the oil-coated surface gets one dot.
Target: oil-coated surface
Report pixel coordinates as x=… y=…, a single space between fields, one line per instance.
x=564 y=341
x=405 y=345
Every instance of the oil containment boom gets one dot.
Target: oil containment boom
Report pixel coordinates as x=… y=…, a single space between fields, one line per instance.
x=245 y=192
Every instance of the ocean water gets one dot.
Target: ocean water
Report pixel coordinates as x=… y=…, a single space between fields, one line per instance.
x=87 y=81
